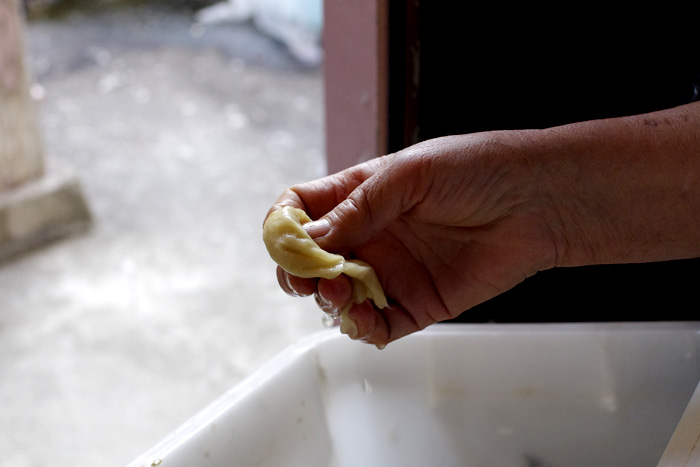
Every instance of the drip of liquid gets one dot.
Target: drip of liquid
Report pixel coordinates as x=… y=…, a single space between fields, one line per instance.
x=328 y=320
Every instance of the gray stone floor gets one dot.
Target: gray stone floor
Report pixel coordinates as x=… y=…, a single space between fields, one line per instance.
x=182 y=137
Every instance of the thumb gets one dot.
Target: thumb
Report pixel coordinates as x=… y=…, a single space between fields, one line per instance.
x=359 y=217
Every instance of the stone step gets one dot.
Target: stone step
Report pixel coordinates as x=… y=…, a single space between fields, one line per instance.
x=42 y=210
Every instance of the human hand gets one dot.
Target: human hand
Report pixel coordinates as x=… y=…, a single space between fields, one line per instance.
x=454 y=221
x=446 y=224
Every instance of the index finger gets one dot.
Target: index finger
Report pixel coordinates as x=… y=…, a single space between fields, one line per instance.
x=287 y=198
x=318 y=197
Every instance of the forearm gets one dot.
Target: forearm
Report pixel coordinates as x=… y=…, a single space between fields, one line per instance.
x=623 y=190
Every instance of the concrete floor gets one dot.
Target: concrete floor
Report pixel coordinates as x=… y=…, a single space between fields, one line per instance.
x=182 y=138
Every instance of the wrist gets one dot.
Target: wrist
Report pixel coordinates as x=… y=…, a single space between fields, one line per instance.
x=623 y=190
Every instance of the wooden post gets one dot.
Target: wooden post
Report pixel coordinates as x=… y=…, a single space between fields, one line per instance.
x=36 y=204
x=355 y=69
x=21 y=156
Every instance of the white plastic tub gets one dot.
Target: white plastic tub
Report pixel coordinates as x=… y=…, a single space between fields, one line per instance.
x=455 y=395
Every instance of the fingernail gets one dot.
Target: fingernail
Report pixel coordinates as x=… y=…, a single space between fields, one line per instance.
x=317 y=228
x=290 y=289
x=348 y=326
x=324 y=304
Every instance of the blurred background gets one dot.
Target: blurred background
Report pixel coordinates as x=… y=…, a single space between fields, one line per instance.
x=182 y=121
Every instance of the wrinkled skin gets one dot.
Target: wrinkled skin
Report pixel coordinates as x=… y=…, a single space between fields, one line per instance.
x=455 y=221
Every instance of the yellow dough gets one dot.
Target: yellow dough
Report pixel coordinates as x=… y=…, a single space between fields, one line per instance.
x=295 y=251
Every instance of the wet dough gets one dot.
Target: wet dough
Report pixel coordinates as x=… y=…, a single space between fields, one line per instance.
x=293 y=249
